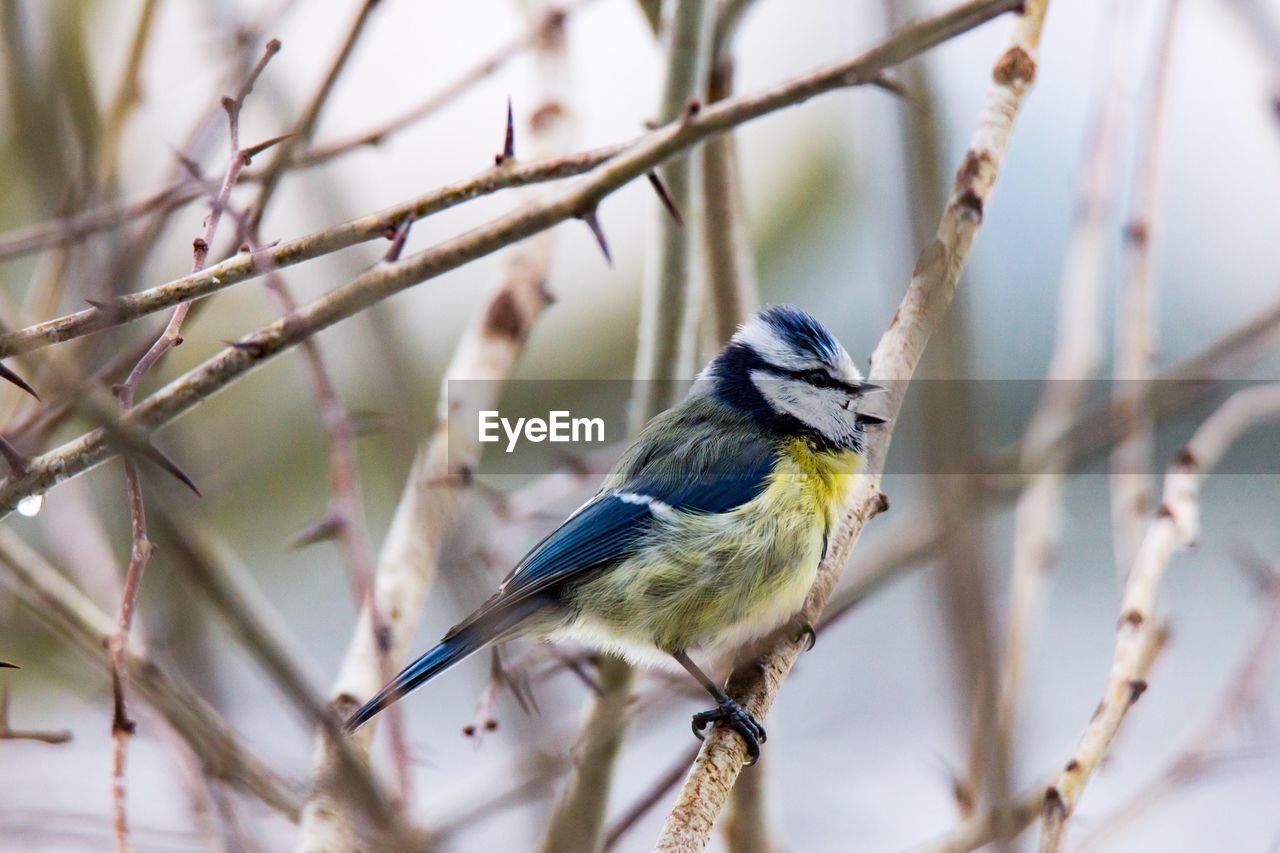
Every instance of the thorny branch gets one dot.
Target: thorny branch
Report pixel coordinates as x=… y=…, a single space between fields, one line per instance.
x=122 y=728
x=384 y=280
x=44 y=235
x=240 y=157
x=439 y=479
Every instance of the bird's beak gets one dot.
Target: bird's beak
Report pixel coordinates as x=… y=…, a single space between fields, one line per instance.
x=865 y=388
x=871 y=420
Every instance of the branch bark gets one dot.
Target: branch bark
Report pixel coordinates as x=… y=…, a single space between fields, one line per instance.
x=1176 y=525
x=895 y=358
x=1136 y=335
x=384 y=280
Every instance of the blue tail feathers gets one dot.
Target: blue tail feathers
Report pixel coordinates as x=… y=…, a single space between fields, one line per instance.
x=495 y=620
x=434 y=662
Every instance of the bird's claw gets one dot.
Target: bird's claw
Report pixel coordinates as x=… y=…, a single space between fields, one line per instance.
x=738 y=719
x=809 y=635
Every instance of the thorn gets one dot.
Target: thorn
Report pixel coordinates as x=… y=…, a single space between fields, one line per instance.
x=17 y=461
x=397 y=235
x=109 y=306
x=7 y=665
x=191 y=166
x=155 y=455
x=253 y=348
x=254 y=150
x=893 y=87
x=509 y=142
x=317 y=531
x=20 y=382
x=665 y=197
x=589 y=217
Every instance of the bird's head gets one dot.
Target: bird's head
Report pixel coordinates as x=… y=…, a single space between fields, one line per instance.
x=790 y=374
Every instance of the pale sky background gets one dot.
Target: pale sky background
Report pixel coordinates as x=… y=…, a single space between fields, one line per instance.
x=863 y=736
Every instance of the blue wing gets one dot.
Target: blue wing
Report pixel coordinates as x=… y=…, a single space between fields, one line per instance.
x=608 y=529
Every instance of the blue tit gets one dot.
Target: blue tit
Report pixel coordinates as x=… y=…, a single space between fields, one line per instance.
x=708 y=531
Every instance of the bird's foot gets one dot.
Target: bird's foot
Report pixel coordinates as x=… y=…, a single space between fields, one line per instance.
x=737 y=718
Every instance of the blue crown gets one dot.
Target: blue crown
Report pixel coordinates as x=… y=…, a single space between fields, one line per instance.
x=802 y=331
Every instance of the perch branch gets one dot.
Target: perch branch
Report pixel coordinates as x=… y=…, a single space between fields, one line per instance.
x=895 y=358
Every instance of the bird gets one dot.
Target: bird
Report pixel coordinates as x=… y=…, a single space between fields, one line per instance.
x=708 y=531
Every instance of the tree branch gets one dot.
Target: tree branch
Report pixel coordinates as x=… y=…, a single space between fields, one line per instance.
x=895 y=358
x=386 y=279
x=1176 y=525
x=1136 y=334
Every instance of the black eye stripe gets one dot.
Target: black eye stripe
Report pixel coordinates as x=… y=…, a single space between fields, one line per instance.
x=826 y=380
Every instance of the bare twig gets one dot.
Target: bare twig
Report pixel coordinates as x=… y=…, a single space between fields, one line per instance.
x=669 y=303
x=1008 y=822
x=44 y=235
x=122 y=728
x=578 y=821
x=172 y=337
x=896 y=356
x=1176 y=525
x=433 y=496
x=386 y=279
x=1201 y=752
x=305 y=126
x=730 y=269
x=1136 y=338
x=625 y=163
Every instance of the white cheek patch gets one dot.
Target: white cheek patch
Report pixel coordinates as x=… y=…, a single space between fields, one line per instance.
x=822 y=409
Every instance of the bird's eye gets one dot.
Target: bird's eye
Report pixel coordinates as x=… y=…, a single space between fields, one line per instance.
x=817 y=378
